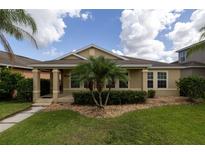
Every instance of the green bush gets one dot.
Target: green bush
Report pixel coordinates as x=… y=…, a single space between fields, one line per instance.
x=193 y=87
x=151 y=93
x=24 y=89
x=116 y=97
x=8 y=82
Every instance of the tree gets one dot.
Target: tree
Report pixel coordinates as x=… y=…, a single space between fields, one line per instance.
x=10 y=21
x=198 y=46
x=97 y=72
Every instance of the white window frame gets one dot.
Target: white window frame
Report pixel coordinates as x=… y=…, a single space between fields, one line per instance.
x=71 y=83
x=182 y=56
x=150 y=79
x=162 y=79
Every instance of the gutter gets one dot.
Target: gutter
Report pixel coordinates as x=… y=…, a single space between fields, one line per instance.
x=16 y=66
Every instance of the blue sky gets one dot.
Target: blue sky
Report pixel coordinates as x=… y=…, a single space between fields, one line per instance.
x=104 y=28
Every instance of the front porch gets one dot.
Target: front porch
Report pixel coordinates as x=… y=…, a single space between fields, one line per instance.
x=62 y=85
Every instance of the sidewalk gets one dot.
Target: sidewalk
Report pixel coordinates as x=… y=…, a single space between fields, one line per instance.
x=11 y=121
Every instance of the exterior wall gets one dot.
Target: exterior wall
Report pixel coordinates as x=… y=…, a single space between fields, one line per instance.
x=197 y=56
x=193 y=71
x=173 y=75
x=135 y=79
x=135 y=82
x=28 y=73
x=96 y=52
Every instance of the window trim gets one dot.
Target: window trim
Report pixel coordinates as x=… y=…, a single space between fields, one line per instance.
x=182 y=54
x=70 y=86
x=162 y=79
x=150 y=79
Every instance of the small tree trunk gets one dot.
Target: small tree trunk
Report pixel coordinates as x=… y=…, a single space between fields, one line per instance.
x=107 y=97
x=94 y=99
x=100 y=98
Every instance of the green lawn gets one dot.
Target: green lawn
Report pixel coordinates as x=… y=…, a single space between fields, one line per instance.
x=8 y=108
x=183 y=124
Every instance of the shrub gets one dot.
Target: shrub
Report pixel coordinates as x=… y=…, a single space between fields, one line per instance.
x=116 y=97
x=193 y=87
x=24 y=89
x=8 y=82
x=151 y=93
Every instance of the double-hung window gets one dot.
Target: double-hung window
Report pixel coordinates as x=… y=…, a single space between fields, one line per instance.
x=75 y=82
x=162 y=79
x=150 y=80
x=123 y=84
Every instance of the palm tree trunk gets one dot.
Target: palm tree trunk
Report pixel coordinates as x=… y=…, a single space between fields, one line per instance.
x=100 y=99
x=107 y=97
x=94 y=99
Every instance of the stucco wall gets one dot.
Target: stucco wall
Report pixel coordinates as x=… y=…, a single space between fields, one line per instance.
x=173 y=75
x=135 y=82
x=95 y=52
x=197 y=56
x=193 y=71
x=135 y=78
x=29 y=74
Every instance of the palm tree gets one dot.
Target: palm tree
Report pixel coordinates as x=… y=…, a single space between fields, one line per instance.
x=96 y=72
x=198 y=46
x=10 y=21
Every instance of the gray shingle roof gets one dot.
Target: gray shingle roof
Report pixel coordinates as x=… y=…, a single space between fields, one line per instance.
x=18 y=61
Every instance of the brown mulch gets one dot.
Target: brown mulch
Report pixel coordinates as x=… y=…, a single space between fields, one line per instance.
x=117 y=110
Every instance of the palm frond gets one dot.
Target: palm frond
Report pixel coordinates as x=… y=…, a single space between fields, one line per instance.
x=6 y=46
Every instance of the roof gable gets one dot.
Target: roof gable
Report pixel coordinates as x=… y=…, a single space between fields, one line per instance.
x=92 y=50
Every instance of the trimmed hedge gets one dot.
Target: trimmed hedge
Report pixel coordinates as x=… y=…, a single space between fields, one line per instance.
x=193 y=87
x=116 y=97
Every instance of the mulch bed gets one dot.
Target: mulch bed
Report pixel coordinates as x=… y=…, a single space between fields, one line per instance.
x=117 y=110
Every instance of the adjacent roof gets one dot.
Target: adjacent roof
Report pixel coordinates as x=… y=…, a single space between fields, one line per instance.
x=18 y=61
x=190 y=64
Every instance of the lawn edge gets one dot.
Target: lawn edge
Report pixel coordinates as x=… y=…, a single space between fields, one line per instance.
x=16 y=112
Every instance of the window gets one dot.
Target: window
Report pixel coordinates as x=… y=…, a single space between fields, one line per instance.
x=161 y=79
x=182 y=56
x=150 y=79
x=75 y=83
x=123 y=84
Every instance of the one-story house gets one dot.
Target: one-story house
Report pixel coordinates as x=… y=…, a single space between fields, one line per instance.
x=20 y=64
x=142 y=74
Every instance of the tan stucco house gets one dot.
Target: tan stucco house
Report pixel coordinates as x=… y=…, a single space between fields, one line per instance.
x=142 y=74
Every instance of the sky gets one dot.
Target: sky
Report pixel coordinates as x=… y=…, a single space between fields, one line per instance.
x=149 y=34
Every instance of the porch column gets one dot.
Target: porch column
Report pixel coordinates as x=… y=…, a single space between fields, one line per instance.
x=144 y=79
x=55 y=85
x=51 y=82
x=36 y=84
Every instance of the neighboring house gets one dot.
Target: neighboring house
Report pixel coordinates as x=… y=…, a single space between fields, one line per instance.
x=142 y=74
x=193 y=64
x=20 y=64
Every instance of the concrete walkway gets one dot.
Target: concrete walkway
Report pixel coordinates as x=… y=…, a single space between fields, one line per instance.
x=12 y=120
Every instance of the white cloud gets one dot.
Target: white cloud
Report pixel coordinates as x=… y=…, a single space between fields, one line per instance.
x=86 y=15
x=140 y=29
x=117 y=52
x=186 y=33
x=52 y=53
x=50 y=24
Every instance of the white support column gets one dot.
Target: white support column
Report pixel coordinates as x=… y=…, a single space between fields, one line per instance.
x=144 y=79
x=36 y=84
x=55 y=85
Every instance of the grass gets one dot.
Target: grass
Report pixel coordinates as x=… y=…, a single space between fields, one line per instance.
x=182 y=124
x=11 y=107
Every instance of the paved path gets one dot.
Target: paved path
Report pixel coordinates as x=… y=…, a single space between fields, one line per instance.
x=10 y=121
